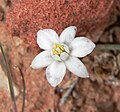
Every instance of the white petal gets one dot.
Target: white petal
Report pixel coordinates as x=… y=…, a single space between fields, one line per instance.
x=74 y=65
x=43 y=59
x=55 y=73
x=68 y=35
x=81 y=47
x=66 y=48
x=47 y=38
x=64 y=56
x=55 y=57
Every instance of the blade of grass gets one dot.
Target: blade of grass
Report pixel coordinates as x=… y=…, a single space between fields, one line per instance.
x=24 y=88
x=8 y=73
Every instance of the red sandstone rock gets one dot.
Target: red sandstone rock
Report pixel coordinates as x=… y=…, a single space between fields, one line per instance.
x=26 y=17
x=39 y=94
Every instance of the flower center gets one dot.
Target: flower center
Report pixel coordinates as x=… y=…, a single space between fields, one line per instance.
x=58 y=49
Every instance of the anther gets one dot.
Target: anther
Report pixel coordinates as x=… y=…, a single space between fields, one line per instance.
x=58 y=49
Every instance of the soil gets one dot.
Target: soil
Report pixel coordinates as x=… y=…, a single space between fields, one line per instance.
x=99 y=93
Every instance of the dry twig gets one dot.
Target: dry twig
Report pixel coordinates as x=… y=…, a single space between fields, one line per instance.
x=68 y=92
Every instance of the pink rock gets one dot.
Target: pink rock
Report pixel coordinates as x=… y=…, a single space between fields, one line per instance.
x=26 y=17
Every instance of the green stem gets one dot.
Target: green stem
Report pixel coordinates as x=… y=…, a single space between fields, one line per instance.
x=24 y=88
x=8 y=73
x=107 y=47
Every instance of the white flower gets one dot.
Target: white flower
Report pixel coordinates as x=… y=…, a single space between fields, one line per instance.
x=61 y=53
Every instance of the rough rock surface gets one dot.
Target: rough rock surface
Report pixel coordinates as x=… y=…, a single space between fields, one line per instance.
x=26 y=17
x=39 y=95
x=99 y=93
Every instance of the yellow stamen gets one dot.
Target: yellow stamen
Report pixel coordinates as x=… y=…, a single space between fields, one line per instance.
x=62 y=48
x=54 y=47
x=58 y=49
x=55 y=53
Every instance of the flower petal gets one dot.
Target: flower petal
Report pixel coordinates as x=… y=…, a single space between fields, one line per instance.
x=55 y=57
x=74 y=65
x=47 y=38
x=81 y=46
x=68 y=35
x=64 y=56
x=43 y=59
x=55 y=73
